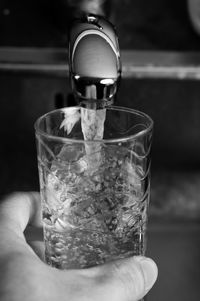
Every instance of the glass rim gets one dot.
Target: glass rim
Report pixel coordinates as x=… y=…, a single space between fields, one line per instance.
x=148 y=129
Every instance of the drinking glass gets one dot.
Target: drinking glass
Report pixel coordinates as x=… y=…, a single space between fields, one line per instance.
x=95 y=190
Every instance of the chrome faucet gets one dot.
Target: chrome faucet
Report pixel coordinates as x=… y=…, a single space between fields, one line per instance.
x=94 y=61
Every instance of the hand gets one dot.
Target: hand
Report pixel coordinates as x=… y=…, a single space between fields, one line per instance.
x=24 y=276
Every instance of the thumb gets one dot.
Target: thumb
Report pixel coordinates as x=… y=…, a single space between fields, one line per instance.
x=124 y=280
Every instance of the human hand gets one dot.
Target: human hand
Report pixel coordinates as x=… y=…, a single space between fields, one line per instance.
x=24 y=276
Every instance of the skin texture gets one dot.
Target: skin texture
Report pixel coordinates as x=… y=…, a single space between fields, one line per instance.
x=24 y=275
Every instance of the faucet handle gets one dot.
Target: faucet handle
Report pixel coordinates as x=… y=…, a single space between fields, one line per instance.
x=94 y=59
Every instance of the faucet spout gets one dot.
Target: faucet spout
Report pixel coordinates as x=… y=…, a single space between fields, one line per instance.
x=94 y=60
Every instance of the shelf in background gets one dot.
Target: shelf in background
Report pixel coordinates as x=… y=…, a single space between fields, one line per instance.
x=135 y=64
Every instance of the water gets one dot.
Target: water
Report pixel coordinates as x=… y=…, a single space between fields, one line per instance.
x=93 y=213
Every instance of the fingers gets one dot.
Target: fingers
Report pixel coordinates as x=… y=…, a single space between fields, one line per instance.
x=123 y=280
x=135 y=276
x=20 y=209
x=38 y=248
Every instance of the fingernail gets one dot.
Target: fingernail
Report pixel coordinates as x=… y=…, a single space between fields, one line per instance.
x=150 y=271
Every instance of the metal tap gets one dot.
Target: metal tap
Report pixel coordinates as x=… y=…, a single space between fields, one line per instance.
x=94 y=60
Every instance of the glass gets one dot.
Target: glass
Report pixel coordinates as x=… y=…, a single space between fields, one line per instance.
x=95 y=193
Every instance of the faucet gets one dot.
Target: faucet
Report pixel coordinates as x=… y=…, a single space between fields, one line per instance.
x=94 y=61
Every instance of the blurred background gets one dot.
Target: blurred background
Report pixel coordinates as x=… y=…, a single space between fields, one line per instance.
x=160 y=48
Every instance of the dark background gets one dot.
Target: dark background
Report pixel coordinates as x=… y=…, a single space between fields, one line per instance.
x=141 y=24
